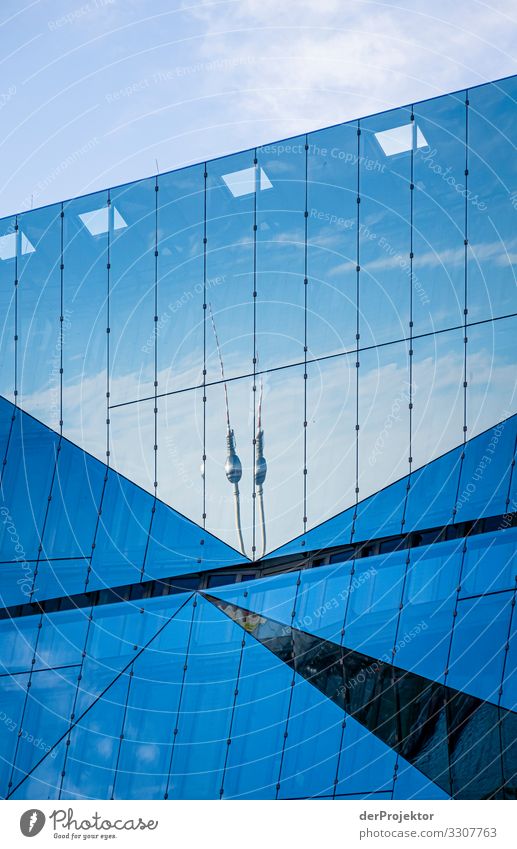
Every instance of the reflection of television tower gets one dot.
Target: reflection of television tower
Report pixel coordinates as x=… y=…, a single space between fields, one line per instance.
x=260 y=470
x=233 y=466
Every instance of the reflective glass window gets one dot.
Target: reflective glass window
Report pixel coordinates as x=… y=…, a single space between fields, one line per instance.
x=385 y=224
x=478 y=641
x=206 y=706
x=230 y=201
x=181 y=282
x=86 y=225
x=426 y=619
x=491 y=200
x=331 y=450
x=10 y=242
x=489 y=564
x=39 y=308
x=132 y=222
x=439 y=214
x=281 y=177
x=332 y=173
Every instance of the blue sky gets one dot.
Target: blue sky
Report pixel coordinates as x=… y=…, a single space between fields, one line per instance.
x=93 y=92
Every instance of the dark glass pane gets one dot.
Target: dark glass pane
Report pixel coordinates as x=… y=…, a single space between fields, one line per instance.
x=478 y=641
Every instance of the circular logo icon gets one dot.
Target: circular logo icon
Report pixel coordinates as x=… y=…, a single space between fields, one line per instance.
x=31 y=822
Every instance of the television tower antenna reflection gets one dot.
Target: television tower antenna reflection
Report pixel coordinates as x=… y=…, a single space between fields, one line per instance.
x=260 y=469
x=233 y=466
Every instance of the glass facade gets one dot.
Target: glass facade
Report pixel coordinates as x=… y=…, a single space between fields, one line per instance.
x=258 y=429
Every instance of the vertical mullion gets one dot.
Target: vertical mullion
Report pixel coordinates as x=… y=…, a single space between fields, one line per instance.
x=180 y=699
x=293 y=681
x=254 y=388
x=357 y=329
x=155 y=381
x=465 y=303
x=122 y=729
x=205 y=177
x=232 y=717
x=410 y=335
x=341 y=640
x=305 y=336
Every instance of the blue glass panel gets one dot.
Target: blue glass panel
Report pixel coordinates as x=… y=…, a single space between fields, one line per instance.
x=17 y=641
x=45 y=780
x=412 y=784
x=331 y=442
x=132 y=440
x=322 y=600
x=73 y=511
x=206 y=706
x=10 y=243
x=13 y=691
x=85 y=311
x=384 y=235
x=383 y=417
x=26 y=487
x=438 y=395
x=178 y=546
x=39 y=309
x=509 y=695
x=59 y=577
x=281 y=176
x=258 y=725
x=132 y=290
x=46 y=717
x=491 y=183
x=478 y=641
x=7 y=411
x=485 y=473
x=491 y=361
x=373 y=610
x=426 y=619
x=281 y=419
x=153 y=702
x=16 y=582
x=332 y=172
x=94 y=746
x=433 y=490
x=223 y=503
x=122 y=533
x=180 y=452
x=489 y=564
x=62 y=638
x=439 y=214
x=366 y=763
x=230 y=200
x=117 y=632
x=336 y=531
x=274 y=597
x=382 y=513
x=312 y=745
x=181 y=278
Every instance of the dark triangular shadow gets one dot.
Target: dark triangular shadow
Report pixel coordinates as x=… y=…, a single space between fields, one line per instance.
x=452 y=737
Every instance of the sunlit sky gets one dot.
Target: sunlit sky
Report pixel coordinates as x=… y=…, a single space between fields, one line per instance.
x=100 y=92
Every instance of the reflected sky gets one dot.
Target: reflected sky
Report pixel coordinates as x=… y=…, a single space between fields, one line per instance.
x=381 y=234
